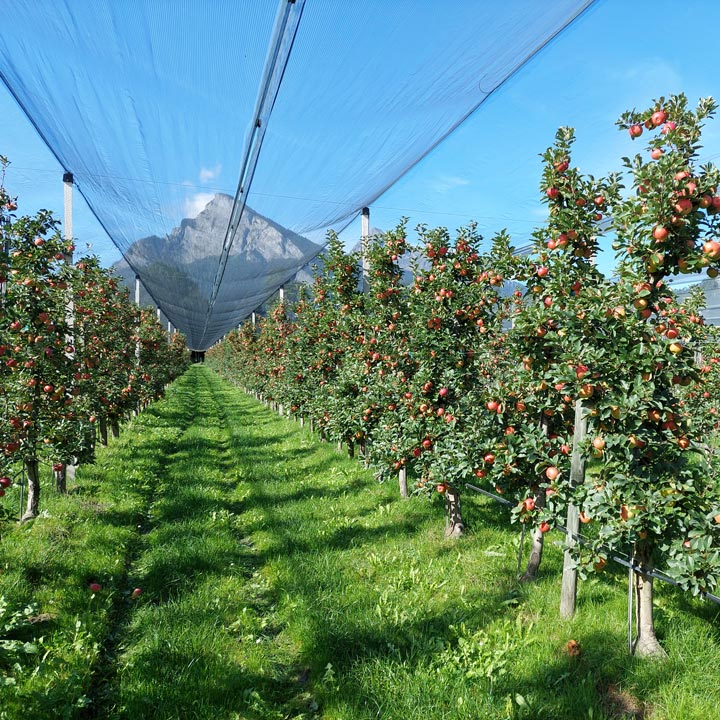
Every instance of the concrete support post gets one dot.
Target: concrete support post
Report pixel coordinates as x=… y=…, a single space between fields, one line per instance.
x=365 y=238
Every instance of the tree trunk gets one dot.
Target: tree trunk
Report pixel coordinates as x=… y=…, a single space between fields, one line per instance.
x=351 y=449
x=454 y=526
x=646 y=643
x=402 y=479
x=102 y=427
x=32 y=506
x=60 y=477
x=538 y=539
x=115 y=428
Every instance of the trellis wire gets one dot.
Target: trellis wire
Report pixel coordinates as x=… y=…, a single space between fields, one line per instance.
x=617 y=558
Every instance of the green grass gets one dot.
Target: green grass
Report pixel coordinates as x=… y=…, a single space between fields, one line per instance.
x=281 y=581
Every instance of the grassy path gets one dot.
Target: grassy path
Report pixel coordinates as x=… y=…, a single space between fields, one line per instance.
x=280 y=581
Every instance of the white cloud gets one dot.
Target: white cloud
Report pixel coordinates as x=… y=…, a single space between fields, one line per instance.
x=195 y=204
x=446 y=183
x=208 y=174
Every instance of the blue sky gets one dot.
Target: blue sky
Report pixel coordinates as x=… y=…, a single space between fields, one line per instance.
x=618 y=55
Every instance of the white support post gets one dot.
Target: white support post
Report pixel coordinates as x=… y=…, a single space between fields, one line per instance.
x=254 y=318
x=68 y=255
x=282 y=294
x=568 y=591
x=158 y=315
x=68 y=208
x=137 y=304
x=365 y=232
x=68 y=465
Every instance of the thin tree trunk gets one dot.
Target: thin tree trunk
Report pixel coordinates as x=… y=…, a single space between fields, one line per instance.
x=115 y=428
x=536 y=549
x=32 y=506
x=351 y=449
x=538 y=542
x=402 y=479
x=60 y=477
x=646 y=643
x=454 y=525
x=102 y=427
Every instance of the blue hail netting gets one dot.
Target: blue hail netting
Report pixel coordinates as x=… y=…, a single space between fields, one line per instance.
x=160 y=109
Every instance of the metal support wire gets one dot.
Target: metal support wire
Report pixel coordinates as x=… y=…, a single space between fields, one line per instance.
x=286 y=27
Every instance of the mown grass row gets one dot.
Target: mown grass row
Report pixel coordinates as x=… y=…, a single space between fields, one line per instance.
x=279 y=580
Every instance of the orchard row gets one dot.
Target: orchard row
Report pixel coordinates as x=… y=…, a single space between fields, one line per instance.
x=76 y=356
x=537 y=377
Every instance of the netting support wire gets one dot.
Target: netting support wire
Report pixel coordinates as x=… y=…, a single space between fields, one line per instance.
x=365 y=239
x=287 y=22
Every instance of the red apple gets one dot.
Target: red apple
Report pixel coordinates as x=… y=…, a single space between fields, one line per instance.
x=551 y=473
x=660 y=232
x=712 y=249
x=658 y=117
